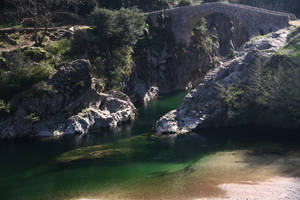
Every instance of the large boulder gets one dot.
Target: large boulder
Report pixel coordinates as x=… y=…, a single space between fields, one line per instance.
x=68 y=103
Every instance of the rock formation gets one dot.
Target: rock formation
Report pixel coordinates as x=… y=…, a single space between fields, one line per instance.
x=68 y=103
x=203 y=106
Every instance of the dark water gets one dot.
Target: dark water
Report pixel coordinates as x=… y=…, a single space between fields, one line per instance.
x=132 y=163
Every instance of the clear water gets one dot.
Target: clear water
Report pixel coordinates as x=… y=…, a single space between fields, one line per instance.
x=132 y=163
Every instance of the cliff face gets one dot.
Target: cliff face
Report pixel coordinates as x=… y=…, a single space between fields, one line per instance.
x=205 y=106
x=163 y=66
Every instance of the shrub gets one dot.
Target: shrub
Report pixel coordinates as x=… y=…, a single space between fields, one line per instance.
x=122 y=27
x=60 y=47
x=144 y=5
x=157 y=35
x=235 y=100
x=22 y=74
x=35 y=53
x=185 y=2
x=5 y=109
x=278 y=89
x=32 y=118
x=113 y=36
x=200 y=38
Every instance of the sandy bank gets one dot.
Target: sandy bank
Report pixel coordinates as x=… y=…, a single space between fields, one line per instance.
x=278 y=188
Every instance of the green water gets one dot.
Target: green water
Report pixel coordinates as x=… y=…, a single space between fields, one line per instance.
x=132 y=163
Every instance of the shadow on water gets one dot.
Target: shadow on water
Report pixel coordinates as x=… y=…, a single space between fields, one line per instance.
x=130 y=161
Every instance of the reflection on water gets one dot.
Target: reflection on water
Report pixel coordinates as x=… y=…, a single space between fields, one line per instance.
x=131 y=163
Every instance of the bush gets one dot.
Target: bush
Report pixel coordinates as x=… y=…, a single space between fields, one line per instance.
x=60 y=47
x=185 y=2
x=122 y=27
x=278 y=89
x=144 y=5
x=157 y=35
x=22 y=74
x=35 y=53
x=113 y=36
x=235 y=99
x=201 y=37
x=32 y=118
x=5 y=109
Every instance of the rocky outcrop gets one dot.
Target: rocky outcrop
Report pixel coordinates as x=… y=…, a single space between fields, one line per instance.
x=203 y=107
x=67 y=103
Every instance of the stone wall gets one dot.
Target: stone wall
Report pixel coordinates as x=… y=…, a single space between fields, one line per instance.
x=255 y=20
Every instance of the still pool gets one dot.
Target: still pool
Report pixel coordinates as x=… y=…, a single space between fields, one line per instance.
x=132 y=163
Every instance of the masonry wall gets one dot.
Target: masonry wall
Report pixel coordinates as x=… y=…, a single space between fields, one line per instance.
x=255 y=20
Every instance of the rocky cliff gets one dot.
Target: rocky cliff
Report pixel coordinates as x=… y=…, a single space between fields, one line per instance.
x=163 y=66
x=69 y=102
x=204 y=106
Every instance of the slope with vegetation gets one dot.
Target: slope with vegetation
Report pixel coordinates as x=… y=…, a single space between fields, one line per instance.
x=259 y=86
x=124 y=51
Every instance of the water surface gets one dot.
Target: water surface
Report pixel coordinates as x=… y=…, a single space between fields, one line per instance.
x=132 y=163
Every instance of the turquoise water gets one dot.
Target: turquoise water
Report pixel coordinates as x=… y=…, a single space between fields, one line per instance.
x=132 y=163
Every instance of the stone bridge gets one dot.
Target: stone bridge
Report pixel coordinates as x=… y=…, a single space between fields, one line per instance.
x=256 y=21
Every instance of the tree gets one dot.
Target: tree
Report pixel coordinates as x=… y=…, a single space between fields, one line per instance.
x=110 y=42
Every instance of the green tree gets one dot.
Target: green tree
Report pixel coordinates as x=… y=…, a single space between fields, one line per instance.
x=111 y=41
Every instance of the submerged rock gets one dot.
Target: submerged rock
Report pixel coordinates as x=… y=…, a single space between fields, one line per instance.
x=203 y=107
x=68 y=103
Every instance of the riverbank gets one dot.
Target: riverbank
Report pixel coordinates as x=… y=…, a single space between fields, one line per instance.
x=278 y=188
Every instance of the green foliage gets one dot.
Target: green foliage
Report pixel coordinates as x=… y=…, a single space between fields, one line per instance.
x=273 y=93
x=109 y=44
x=201 y=38
x=122 y=27
x=158 y=34
x=209 y=1
x=5 y=109
x=292 y=49
x=11 y=25
x=14 y=38
x=144 y=5
x=278 y=89
x=32 y=118
x=35 y=53
x=60 y=47
x=234 y=98
x=82 y=41
x=22 y=74
x=185 y=2
x=14 y=11
x=231 y=53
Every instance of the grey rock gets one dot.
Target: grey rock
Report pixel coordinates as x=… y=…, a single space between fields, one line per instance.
x=203 y=107
x=70 y=102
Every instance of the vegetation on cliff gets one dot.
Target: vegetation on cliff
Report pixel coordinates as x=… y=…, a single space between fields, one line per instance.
x=109 y=43
x=274 y=90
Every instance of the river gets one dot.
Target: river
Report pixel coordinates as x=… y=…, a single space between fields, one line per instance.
x=133 y=163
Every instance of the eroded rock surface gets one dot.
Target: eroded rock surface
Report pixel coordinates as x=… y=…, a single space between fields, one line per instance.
x=203 y=106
